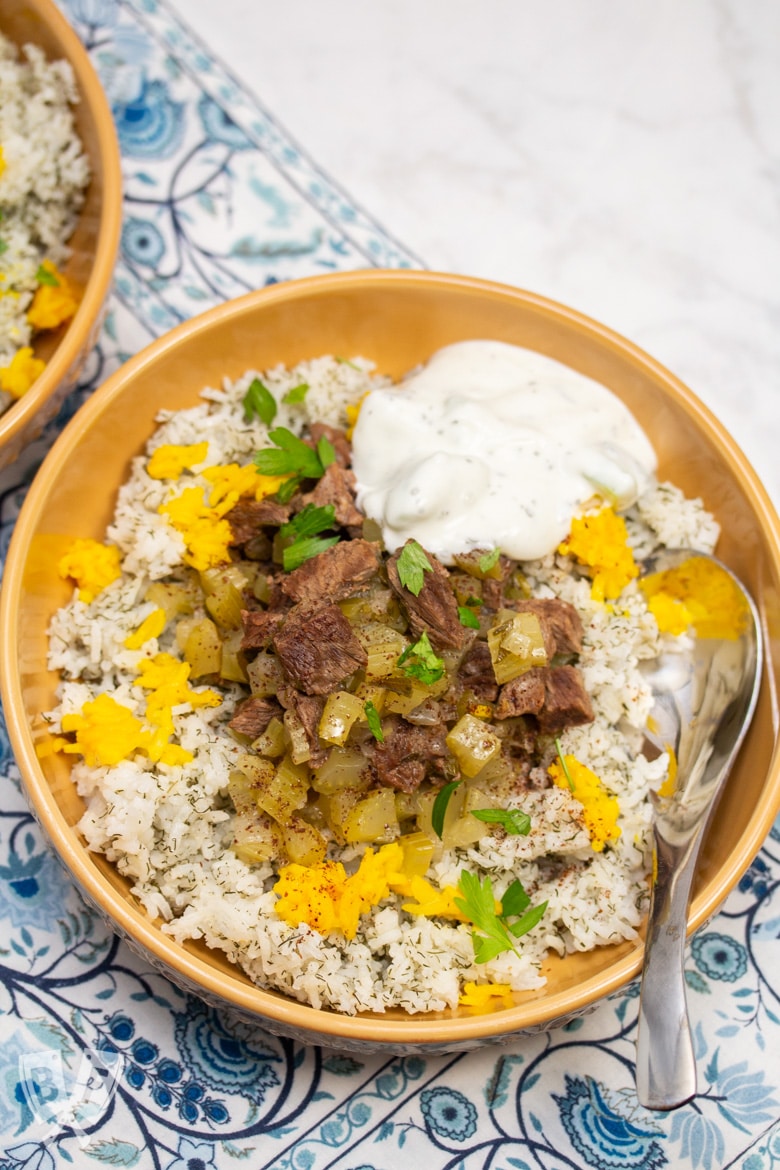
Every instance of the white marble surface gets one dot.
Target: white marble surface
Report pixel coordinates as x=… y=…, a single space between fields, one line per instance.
x=623 y=158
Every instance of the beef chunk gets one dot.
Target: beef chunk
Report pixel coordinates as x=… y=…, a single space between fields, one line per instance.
x=566 y=702
x=337 y=572
x=435 y=610
x=560 y=622
x=259 y=627
x=523 y=695
x=338 y=440
x=317 y=648
x=253 y=716
x=337 y=487
x=476 y=672
x=247 y=517
x=407 y=754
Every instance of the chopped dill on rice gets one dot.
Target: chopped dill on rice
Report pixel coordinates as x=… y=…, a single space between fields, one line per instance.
x=44 y=172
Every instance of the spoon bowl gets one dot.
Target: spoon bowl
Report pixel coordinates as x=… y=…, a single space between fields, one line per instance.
x=703 y=703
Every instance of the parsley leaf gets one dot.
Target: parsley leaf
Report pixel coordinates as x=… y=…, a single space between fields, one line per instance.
x=288 y=489
x=304 y=549
x=290 y=456
x=516 y=823
x=374 y=722
x=419 y=661
x=296 y=395
x=515 y=901
x=326 y=452
x=412 y=566
x=3 y=247
x=494 y=934
x=305 y=527
x=440 y=804
x=260 y=401
x=529 y=920
x=310 y=521
x=487 y=561
x=467 y=617
x=478 y=903
x=43 y=276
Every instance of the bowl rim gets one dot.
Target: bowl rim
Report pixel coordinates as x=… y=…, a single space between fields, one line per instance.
x=20 y=416
x=417 y=1031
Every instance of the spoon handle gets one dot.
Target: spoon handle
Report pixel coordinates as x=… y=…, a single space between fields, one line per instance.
x=665 y=1063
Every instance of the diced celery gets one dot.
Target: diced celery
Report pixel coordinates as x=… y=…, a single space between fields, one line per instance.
x=403 y=695
x=265 y=675
x=418 y=853
x=371 y=693
x=516 y=644
x=232 y=665
x=337 y=806
x=466 y=830
x=372 y=819
x=383 y=646
x=344 y=768
x=473 y=744
x=257 y=838
x=407 y=805
x=342 y=710
x=176 y=598
x=285 y=791
x=297 y=739
x=202 y=647
x=304 y=844
x=271 y=743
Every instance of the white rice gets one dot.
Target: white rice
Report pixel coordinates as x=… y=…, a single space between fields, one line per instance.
x=169 y=829
x=42 y=182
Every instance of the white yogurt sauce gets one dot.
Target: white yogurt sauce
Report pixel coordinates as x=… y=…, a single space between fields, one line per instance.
x=490 y=445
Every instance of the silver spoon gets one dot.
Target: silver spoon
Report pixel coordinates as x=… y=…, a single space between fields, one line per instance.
x=703 y=706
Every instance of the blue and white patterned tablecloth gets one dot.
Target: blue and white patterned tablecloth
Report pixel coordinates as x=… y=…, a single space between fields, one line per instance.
x=220 y=200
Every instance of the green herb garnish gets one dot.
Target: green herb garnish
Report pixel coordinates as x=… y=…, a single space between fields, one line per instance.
x=310 y=521
x=3 y=247
x=259 y=401
x=304 y=528
x=516 y=823
x=494 y=933
x=412 y=566
x=291 y=456
x=440 y=805
x=296 y=395
x=374 y=722
x=467 y=617
x=43 y=276
x=326 y=452
x=304 y=549
x=419 y=661
x=564 y=765
x=487 y=561
x=288 y=489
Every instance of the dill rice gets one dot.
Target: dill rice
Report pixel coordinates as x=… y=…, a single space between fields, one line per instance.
x=388 y=936
x=44 y=173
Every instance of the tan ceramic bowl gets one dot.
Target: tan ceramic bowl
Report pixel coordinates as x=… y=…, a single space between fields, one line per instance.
x=398 y=319
x=95 y=241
